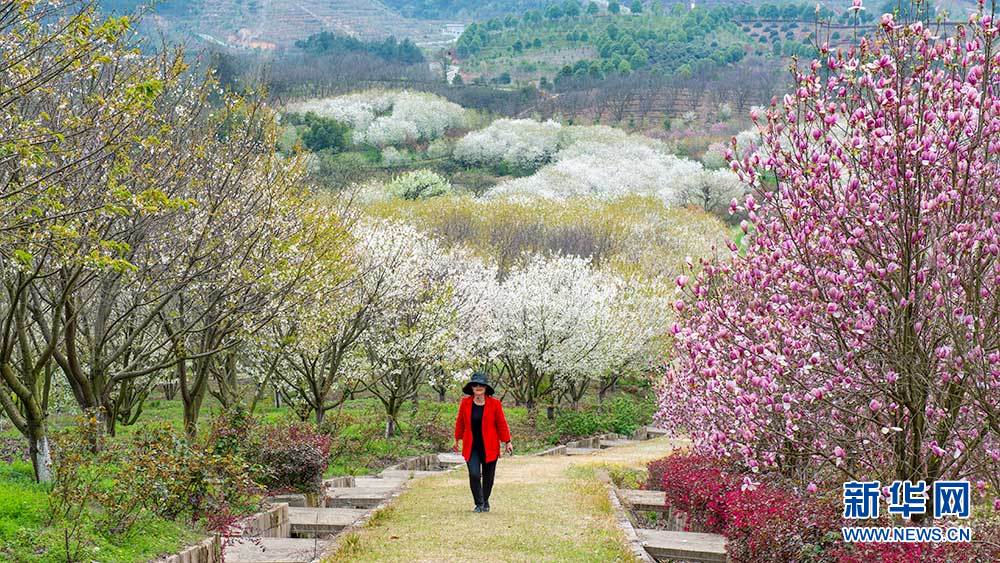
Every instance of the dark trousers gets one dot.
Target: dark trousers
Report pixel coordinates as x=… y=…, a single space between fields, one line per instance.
x=481 y=476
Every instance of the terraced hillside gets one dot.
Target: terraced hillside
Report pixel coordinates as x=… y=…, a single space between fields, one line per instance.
x=272 y=24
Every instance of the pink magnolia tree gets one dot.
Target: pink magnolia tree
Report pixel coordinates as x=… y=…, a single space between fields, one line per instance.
x=858 y=333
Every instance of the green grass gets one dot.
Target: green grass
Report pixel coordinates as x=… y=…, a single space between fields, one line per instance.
x=25 y=533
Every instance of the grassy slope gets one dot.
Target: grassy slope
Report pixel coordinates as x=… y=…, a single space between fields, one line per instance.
x=543 y=509
x=26 y=536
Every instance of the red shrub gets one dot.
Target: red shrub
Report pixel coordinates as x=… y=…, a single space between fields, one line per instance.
x=695 y=485
x=763 y=522
x=984 y=548
x=293 y=457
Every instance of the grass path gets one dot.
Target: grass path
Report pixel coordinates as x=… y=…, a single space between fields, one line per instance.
x=550 y=508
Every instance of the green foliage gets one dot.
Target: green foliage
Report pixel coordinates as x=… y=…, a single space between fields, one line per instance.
x=418 y=184
x=389 y=49
x=155 y=471
x=578 y=424
x=320 y=133
x=621 y=415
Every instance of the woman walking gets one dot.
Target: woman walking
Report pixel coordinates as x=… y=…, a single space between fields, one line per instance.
x=481 y=427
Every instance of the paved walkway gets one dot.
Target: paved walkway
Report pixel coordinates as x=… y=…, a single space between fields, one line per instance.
x=544 y=508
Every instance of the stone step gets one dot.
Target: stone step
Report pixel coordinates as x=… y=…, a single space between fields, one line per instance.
x=644 y=500
x=355 y=497
x=378 y=483
x=581 y=451
x=683 y=546
x=449 y=459
x=614 y=443
x=321 y=522
x=405 y=474
x=342 y=481
x=655 y=432
x=275 y=550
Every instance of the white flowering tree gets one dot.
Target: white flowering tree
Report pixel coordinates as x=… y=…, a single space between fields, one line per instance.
x=712 y=190
x=299 y=353
x=517 y=144
x=389 y=118
x=413 y=321
x=546 y=317
x=606 y=171
x=636 y=331
x=418 y=184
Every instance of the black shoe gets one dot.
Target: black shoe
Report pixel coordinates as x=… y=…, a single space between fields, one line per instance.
x=478 y=508
x=486 y=507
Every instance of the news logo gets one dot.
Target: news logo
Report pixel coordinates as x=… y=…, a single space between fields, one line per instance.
x=906 y=499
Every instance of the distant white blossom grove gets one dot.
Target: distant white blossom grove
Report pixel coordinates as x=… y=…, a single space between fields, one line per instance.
x=389 y=118
x=591 y=161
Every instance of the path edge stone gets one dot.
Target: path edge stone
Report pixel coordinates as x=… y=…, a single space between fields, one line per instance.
x=624 y=522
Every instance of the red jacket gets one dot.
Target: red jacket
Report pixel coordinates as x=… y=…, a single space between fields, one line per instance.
x=495 y=429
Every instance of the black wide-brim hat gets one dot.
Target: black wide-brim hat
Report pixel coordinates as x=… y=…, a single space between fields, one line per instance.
x=479 y=378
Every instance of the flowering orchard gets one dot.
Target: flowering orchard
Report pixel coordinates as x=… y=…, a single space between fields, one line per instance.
x=859 y=334
x=389 y=118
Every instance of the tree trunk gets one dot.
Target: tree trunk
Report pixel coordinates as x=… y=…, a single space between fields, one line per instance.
x=191 y=420
x=550 y=412
x=390 y=427
x=170 y=390
x=320 y=416
x=441 y=395
x=41 y=454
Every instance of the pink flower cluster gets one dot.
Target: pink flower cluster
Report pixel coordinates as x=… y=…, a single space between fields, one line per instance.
x=858 y=333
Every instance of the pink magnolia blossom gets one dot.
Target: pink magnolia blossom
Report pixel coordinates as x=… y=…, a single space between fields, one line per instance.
x=870 y=280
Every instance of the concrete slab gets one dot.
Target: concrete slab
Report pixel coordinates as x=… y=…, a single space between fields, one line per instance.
x=275 y=550
x=378 y=483
x=654 y=432
x=355 y=497
x=289 y=499
x=615 y=442
x=684 y=546
x=644 y=500
x=321 y=522
x=581 y=451
x=406 y=474
x=449 y=459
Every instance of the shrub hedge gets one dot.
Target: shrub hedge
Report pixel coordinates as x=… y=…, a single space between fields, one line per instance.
x=763 y=521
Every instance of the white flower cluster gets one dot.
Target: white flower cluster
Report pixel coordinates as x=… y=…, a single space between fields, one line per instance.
x=605 y=164
x=418 y=184
x=522 y=144
x=389 y=118
x=560 y=316
x=607 y=171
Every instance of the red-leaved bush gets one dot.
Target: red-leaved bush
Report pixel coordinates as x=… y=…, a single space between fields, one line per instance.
x=695 y=485
x=292 y=457
x=765 y=522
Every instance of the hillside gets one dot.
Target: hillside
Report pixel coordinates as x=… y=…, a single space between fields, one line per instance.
x=271 y=24
x=483 y=9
